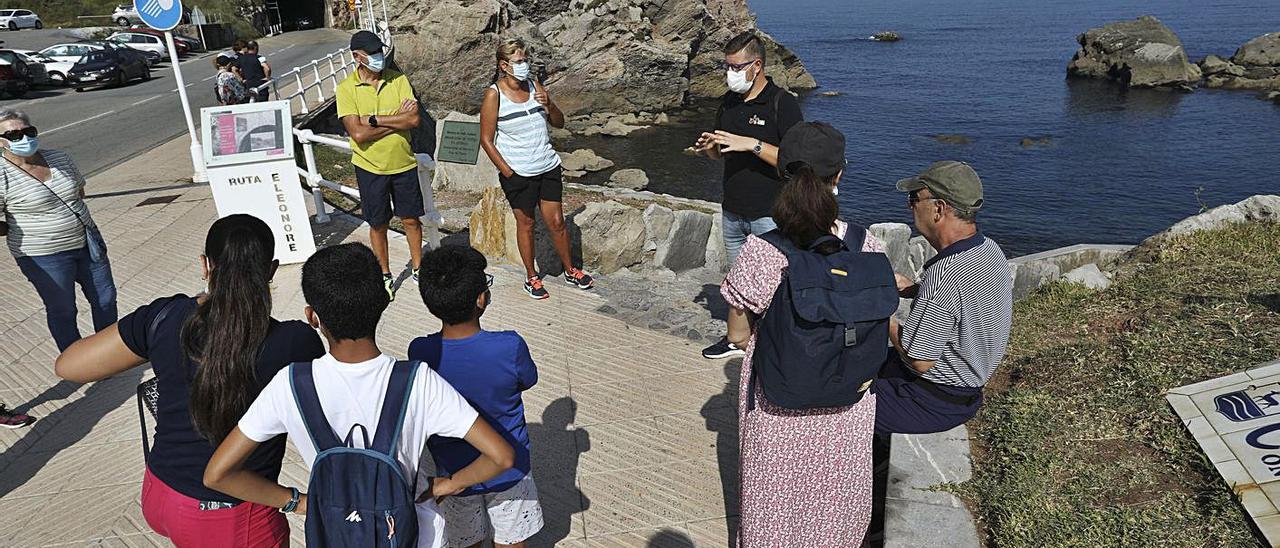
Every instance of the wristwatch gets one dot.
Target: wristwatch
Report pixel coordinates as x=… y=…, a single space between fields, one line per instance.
x=373 y=120
x=758 y=148
x=294 y=498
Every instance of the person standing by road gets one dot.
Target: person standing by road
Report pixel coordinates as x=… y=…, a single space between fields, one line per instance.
x=377 y=107
x=51 y=234
x=753 y=116
x=513 y=132
x=254 y=70
x=227 y=85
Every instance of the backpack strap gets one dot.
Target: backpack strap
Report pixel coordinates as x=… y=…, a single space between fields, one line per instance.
x=855 y=236
x=394 y=406
x=303 y=384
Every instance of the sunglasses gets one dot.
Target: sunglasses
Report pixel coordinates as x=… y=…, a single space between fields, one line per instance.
x=737 y=67
x=17 y=134
x=914 y=198
x=488 y=280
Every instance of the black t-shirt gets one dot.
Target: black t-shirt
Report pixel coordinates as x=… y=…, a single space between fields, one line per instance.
x=180 y=454
x=250 y=65
x=751 y=184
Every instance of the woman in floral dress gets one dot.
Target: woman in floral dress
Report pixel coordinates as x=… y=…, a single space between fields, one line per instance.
x=805 y=474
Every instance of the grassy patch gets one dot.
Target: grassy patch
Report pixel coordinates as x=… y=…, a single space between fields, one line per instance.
x=1075 y=445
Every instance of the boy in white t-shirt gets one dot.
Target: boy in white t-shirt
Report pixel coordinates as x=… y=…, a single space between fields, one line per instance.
x=345 y=299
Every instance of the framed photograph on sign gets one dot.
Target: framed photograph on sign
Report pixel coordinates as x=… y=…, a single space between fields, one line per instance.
x=252 y=132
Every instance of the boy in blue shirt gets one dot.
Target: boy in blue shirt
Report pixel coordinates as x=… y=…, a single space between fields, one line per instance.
x=490 y=369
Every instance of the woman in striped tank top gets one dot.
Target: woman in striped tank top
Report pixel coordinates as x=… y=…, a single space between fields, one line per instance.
x=513 y=132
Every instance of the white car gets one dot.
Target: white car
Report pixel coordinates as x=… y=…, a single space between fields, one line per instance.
x=18 y=19
x=125 y=15
x=141 y=42
x=44 y=71
x=69 y=53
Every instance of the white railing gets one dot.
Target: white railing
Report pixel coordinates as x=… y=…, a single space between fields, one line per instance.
x=339 y=65
x=431 y=221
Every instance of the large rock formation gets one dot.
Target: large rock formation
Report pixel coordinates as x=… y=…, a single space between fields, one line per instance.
x=600 y=55
x=1255 y=66
x=612 y=235
x=1138 y=53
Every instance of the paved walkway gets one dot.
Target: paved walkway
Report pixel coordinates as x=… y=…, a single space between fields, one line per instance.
x=634 y=434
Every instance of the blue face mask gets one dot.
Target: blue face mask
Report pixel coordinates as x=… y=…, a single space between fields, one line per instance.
x=24 y=147
x=376 y=62
x=520 y=71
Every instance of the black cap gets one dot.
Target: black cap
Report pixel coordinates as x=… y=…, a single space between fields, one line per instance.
x=367 y=42
x=814 y=143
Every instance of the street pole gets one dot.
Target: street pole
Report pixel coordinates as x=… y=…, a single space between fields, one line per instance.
x=197 y=154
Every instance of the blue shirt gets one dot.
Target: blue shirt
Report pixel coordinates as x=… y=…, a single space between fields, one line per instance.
x=490 y=370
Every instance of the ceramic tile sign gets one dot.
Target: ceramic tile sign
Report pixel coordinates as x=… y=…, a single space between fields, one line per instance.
x=1236 y=421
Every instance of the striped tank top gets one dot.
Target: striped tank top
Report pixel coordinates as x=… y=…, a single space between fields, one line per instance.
x=523 y=138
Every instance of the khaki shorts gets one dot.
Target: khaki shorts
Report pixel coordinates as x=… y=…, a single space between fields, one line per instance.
x=510 y=516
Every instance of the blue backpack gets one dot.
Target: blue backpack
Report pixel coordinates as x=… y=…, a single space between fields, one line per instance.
x=358 y=497
x=826 y=332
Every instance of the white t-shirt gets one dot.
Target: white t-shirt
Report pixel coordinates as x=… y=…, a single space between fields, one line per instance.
x=352 y=393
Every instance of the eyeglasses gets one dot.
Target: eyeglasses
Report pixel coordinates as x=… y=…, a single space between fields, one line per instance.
x=736 y=67
x=488 y=280
x=914 y=198
x=16 y=134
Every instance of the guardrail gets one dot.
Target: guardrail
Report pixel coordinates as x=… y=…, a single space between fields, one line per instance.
x=431 y=221
x=340 y=64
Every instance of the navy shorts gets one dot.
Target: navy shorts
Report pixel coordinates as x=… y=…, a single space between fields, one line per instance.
x=378 y=193
x=524 y=193
x=905 y=406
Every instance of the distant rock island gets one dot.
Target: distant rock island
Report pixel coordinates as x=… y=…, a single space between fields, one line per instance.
x=1141 y=53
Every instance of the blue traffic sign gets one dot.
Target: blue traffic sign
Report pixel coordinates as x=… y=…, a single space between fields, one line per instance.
x=159 y=14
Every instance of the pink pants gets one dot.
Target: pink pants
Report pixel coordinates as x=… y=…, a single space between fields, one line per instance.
x=179 y=518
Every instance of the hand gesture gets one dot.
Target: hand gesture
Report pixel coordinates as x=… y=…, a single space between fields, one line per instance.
x=907 y=287
x=441 y=487
x=733 y=143
x=705 y=142
x=540 y=95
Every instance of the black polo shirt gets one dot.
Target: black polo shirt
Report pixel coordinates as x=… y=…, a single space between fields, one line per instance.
x=250 y=65
x=751 y=184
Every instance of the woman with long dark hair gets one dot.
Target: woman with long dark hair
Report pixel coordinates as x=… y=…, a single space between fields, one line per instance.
x=513 y=132
x=805 y=474
x=212 y=354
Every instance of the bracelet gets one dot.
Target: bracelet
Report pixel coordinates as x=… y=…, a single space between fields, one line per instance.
x=292 y=505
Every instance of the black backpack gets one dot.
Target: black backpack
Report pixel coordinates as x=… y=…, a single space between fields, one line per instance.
x=826 y=332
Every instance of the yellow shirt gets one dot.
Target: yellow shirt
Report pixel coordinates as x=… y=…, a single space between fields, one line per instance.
x=392 y=153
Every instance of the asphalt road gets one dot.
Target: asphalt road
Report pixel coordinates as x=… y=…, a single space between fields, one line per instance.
x=102 y=127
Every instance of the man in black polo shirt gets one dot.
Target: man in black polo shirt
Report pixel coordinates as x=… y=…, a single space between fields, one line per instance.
x=753 y=117
x=253 y=69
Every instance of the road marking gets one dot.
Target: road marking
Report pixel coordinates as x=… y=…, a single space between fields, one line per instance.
x=209 y=78
x=145 y=100
x=94 y=117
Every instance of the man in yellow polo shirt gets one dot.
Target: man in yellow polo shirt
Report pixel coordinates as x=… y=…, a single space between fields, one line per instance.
x=377 y=108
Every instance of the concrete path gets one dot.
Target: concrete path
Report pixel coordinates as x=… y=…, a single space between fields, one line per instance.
x=634 y=434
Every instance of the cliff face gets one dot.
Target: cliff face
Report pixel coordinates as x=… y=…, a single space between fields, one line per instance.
x=600 y=55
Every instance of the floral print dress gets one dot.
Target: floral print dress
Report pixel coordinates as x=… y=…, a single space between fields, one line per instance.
x=805 y=475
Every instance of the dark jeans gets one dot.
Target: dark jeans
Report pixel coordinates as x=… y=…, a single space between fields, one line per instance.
x=55 y=277
x=903 y=406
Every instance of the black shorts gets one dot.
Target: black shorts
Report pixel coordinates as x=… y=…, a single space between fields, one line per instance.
x=379 y=192
x=524 y=193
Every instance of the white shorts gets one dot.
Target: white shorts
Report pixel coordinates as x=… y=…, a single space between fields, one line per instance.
x=511 y=516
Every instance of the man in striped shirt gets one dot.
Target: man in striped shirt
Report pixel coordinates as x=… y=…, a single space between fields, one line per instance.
x=959 y=324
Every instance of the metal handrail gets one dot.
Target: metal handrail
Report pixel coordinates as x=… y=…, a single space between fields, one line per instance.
x=344 y=66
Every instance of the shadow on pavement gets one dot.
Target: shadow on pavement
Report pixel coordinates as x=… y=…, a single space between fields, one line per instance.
x=63 y=428
x=721 y=415
x=556 y=472
x=668 y=538
x=711 y=300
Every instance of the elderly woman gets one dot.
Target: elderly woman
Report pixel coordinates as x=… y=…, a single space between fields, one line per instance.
x=51 y=235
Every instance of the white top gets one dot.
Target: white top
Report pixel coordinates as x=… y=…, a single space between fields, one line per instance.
x=352 y=393
x=44 y=217
x=523 y=138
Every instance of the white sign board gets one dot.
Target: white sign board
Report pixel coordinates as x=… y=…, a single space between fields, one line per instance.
x=1236 y=421
x=249 y=153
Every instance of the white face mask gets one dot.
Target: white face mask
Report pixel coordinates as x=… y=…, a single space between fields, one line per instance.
x=835 y=190
x=520 y=71
x=737 y=80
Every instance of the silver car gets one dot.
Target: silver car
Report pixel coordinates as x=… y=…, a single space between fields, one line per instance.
x=20 y=19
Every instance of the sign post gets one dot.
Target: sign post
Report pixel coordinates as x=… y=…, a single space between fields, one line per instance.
x=249 y=151
x=164 y=15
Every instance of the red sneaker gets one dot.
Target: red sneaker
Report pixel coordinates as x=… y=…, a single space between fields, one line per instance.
x=533 y=286
x=578 y=278
x=10 y=419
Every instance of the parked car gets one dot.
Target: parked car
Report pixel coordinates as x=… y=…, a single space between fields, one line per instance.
x=125 y=14
x=193 y=44
x=107 y=67
x=68 y=53
x=15 y=79
x=20 y=19
x=153 y=58
x=38 y=66
x=146 y=42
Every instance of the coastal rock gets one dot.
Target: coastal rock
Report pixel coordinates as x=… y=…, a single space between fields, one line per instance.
x=1089 y=276
x=1262 y=208
x=634 y=179
x=657 y=226
x=559 y=134
x=717 y=255
x=1261 y=51
x=886 y=36
x=618 y=128
x=1028 y=142
x=919 y=252
x=1273 y=97
x=463 y=177
x=952 y=139
x=492 y=224
x=1138 y=53
x=584 y=159
x=1213 y=65
x=604 y=55
x=661 y=119
x=1031 y=275
x=573 y=174
x=896 y=238
x=686 y=246
x=612 y=235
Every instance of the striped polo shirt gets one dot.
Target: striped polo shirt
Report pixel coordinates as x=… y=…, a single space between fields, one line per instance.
x=523 y=138
x=962 y=313
x=39 y=222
